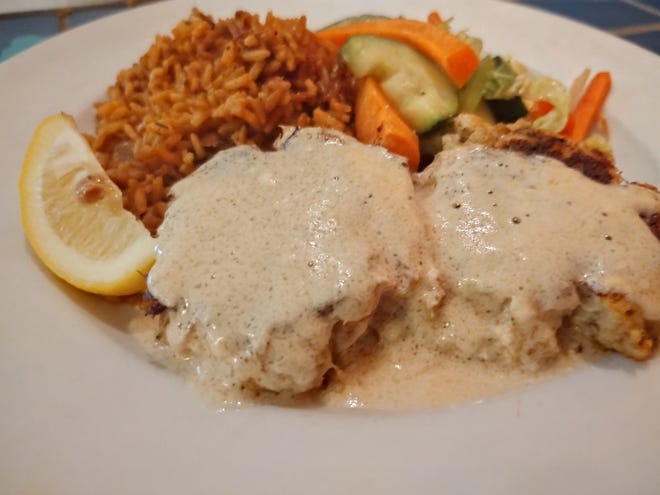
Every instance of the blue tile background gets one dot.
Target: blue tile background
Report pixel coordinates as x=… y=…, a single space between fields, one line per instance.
x=653 y=3
x=647 y=40
x=604 y=14
x=81 y=16
x=21 y=31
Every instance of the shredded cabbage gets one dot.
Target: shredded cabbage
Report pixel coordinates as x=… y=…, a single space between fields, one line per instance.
x=550 y=90
x=475 y=43
x=599 y=143
x=515 y=89
x=500 y=79
x=533 y=89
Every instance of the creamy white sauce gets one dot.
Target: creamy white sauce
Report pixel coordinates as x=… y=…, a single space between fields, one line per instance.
x=517 y=236
x=406 y=377
x=275 y=265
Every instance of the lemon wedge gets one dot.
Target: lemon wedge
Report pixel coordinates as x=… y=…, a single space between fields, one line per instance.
x=73 y=215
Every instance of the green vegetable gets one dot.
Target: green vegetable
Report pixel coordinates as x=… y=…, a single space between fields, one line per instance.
x=550 y=90
x=598 y=143
x=491 y=80
x=475 y=43
x=430 y=142
x=507 y=111
x=501 y=78
x=416 y=86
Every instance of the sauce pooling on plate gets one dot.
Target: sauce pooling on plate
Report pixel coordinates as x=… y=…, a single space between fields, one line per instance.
x=326 y=260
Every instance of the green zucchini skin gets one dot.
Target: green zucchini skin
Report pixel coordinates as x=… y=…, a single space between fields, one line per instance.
x=416 y=86
x=507 y=111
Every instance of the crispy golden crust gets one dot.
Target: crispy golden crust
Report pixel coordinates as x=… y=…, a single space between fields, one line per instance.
x=613 y=322
x=652 y=219
x=627 y=332
x=590 y=162
x=522 y=137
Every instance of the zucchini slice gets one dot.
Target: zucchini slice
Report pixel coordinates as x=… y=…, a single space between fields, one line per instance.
x=415 y=85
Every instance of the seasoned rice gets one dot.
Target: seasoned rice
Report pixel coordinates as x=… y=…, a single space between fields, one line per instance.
x=209 y=86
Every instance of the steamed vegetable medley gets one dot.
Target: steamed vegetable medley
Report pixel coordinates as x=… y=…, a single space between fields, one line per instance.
x=415 y=76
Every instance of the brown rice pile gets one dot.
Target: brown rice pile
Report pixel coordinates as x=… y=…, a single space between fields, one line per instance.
x=209 y=86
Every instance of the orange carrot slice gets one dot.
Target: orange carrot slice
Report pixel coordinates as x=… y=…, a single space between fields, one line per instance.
x=434 y=18
x=589 y=107
x=377 y=122
x=455 y=57
x=570 y=123
x=540 y=108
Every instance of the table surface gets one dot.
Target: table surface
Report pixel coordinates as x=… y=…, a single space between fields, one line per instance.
x=637 y=21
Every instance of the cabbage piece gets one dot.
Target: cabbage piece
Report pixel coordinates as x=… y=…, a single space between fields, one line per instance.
x=491 y=80
x=547 y=89
x=500 y=79
x=475 y=43
x=598 y=143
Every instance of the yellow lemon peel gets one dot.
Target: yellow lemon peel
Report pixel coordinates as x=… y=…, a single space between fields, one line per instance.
x=73 y=215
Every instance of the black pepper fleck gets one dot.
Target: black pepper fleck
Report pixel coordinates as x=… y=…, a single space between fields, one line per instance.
x=515 y=220
x=608 y=237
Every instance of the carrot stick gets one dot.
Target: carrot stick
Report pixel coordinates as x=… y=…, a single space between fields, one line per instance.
x=455 y=57
x=540 y=108
x=377 y=122
x=570 y=123
x=604 y=127
x=590 y=106
x=434 y=18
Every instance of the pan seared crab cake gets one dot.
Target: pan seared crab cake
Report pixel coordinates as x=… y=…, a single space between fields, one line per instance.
x=271 y=264
x=275 y=267
x=529 y=246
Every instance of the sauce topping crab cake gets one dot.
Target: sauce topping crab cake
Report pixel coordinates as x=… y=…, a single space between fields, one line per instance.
x=528 y=246
x=276 y=267
x=272 y=264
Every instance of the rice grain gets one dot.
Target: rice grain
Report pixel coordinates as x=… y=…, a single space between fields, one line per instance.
x=208 y=86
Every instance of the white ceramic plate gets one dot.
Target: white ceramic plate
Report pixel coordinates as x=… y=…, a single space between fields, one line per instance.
x=82 y=413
